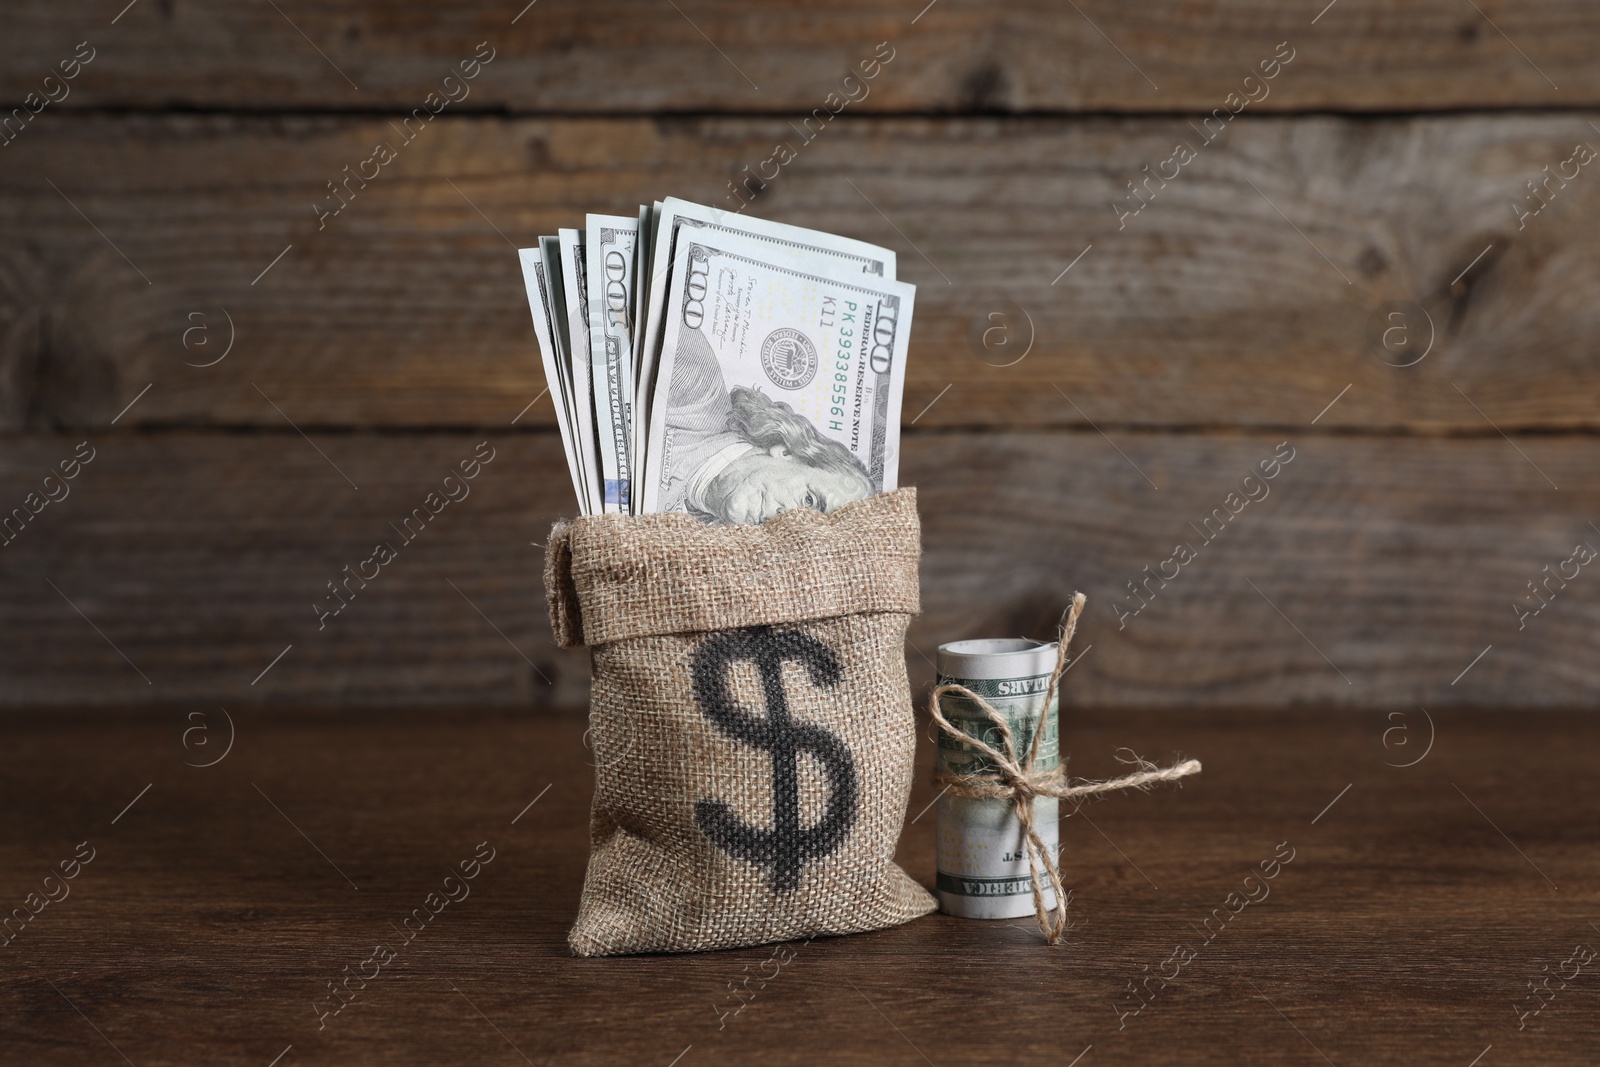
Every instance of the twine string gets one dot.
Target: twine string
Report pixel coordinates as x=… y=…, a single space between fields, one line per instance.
x=1015 y=780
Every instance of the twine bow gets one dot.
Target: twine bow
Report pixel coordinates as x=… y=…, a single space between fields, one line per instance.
x=1014 y=780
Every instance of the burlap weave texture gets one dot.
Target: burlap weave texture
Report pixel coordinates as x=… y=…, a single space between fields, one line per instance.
x=751 y=723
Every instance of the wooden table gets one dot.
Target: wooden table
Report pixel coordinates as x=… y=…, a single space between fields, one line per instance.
x=220 y=901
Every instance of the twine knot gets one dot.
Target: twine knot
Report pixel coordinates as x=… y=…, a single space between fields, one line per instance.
x=1013 y=779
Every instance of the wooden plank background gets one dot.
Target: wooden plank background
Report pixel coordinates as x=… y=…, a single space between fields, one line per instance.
x=722 y=55
x=1376 y=205
x=200 y=558
x=1208 y=308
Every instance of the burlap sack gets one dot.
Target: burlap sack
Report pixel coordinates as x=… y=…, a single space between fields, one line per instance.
x=751 y=723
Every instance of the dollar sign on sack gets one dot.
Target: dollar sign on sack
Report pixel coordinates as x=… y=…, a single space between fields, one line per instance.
x=783 y=849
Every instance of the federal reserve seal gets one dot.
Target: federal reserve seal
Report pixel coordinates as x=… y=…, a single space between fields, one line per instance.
x=789 y=358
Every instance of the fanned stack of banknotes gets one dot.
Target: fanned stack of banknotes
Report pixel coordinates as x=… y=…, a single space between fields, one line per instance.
x=724 y=366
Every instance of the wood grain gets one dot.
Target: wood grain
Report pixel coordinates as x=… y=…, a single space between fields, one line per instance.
x=1249 y=292
x=1404 y=929
x=1372 y=574
x=719 y=55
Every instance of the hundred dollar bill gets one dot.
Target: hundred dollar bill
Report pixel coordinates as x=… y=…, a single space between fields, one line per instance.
x=573 y=275
x=608 y=248
x=537 y=280
x=560 y=335
x=648 y=213
x=556 y=294
x=982 y=861
x=777 y=388
x=641 y=263
x=672 y=216
x=555 y=298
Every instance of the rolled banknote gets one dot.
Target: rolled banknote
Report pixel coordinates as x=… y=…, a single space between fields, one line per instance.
x=982 y=863
x=779 y=383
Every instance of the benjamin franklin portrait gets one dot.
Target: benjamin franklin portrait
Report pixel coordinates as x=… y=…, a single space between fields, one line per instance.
x=737 y=456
